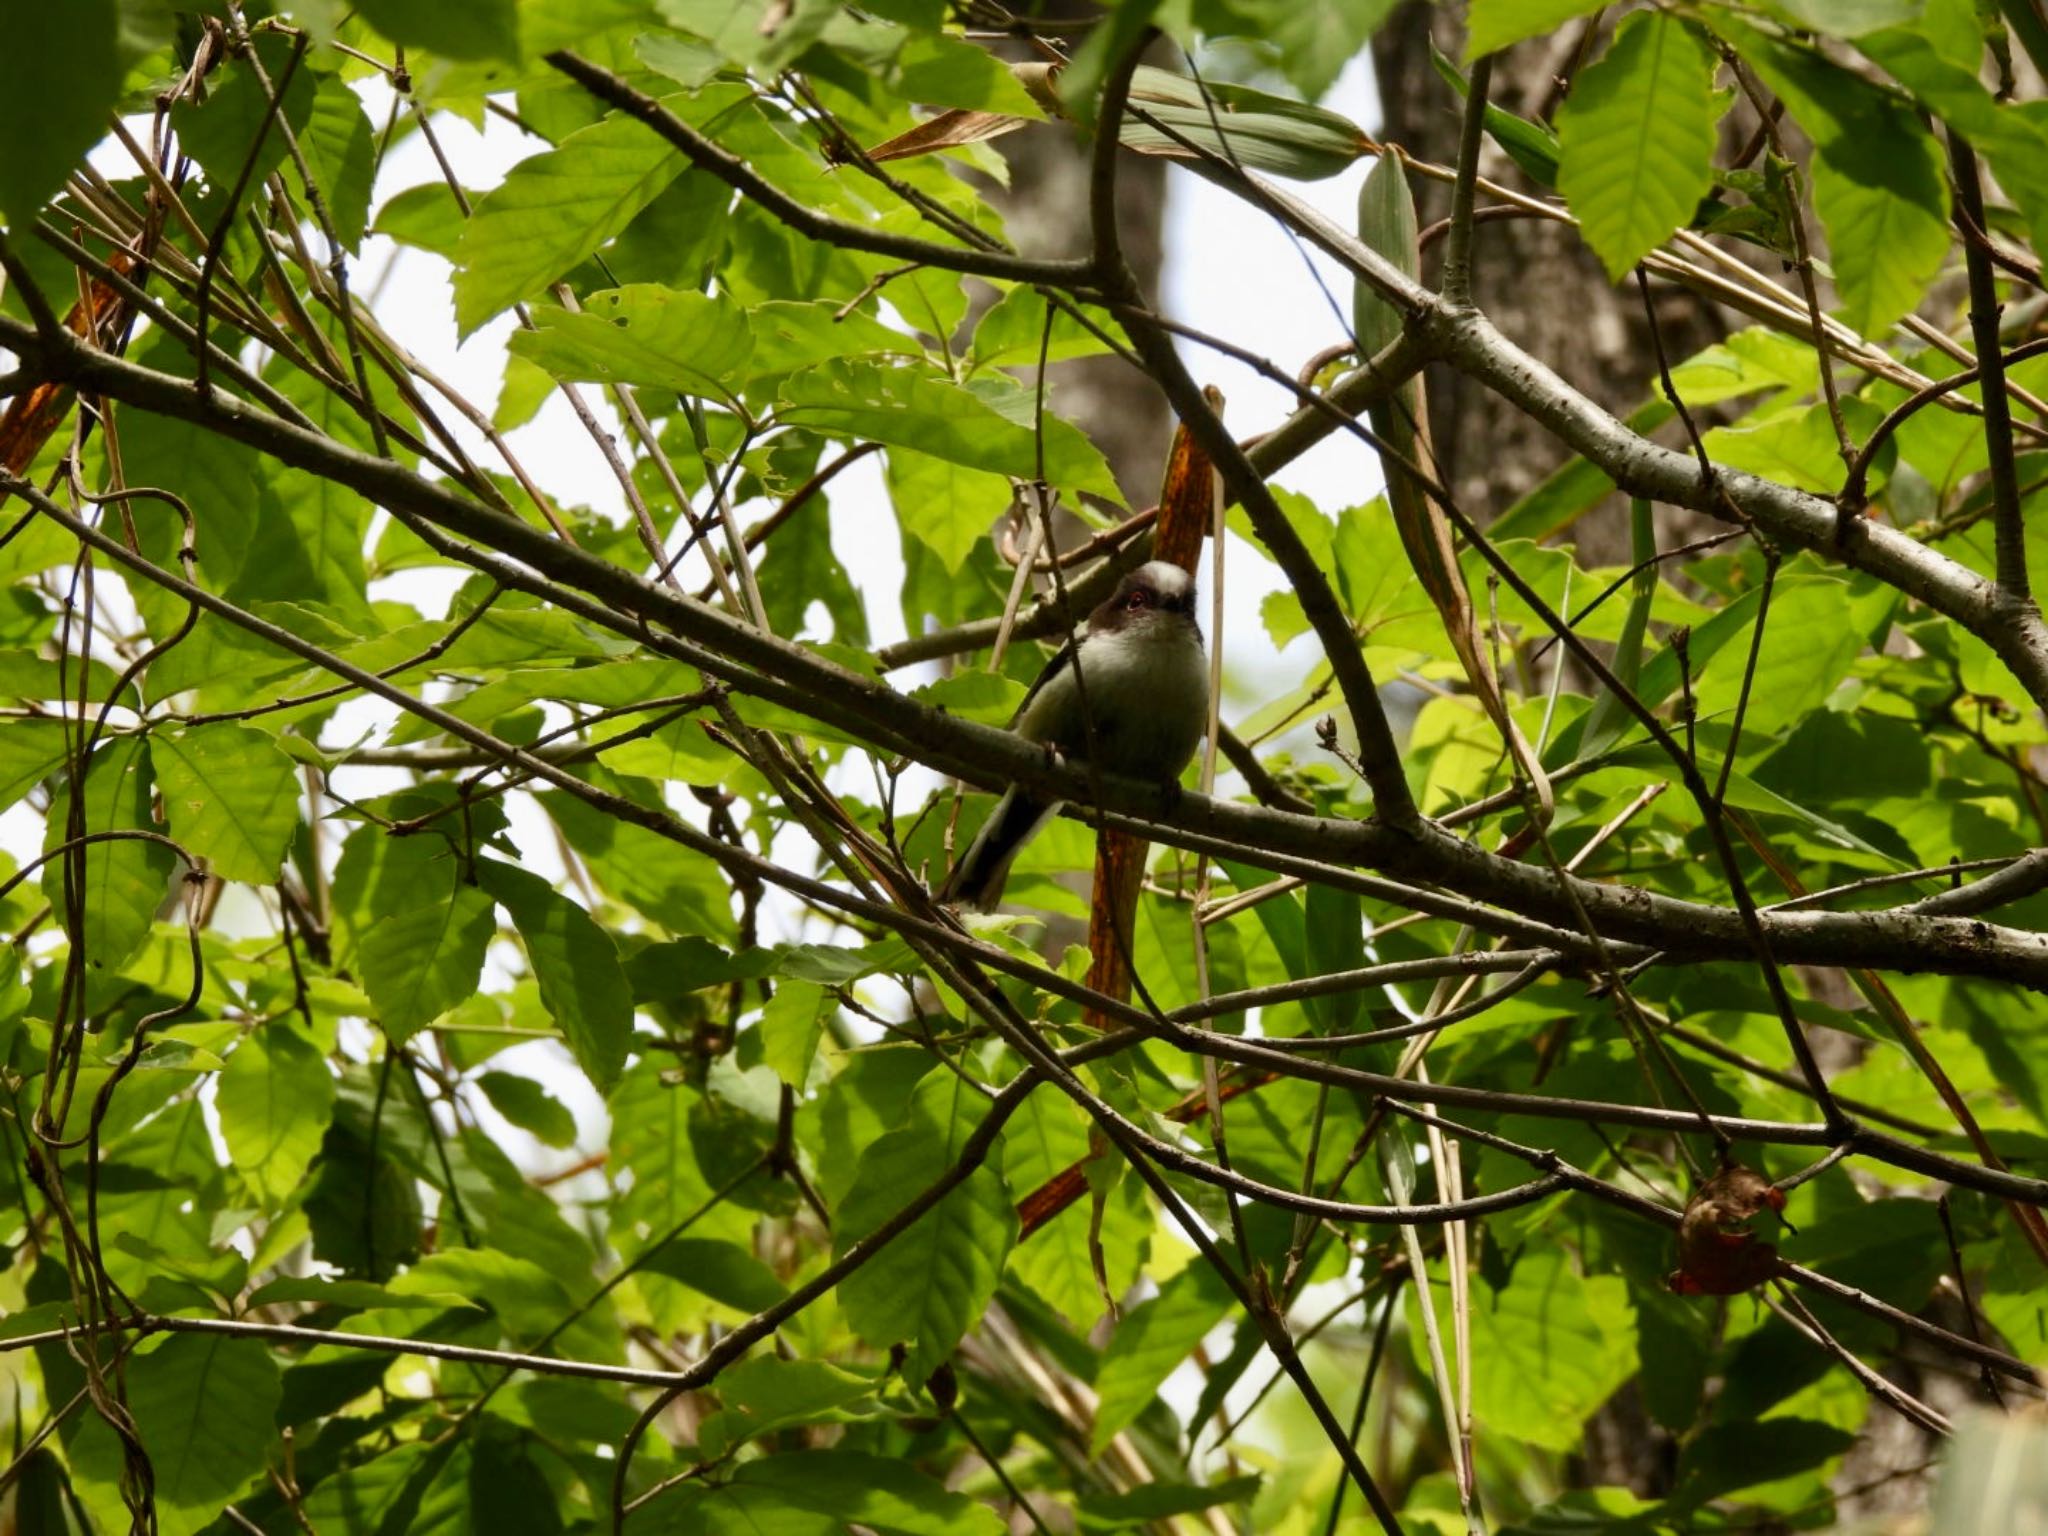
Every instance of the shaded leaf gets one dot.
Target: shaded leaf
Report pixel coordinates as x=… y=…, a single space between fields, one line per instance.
x=576 y=965
x=420 y=962
x=932 y=1281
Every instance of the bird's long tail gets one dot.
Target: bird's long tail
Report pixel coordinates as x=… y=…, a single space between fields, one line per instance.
x=977 y=880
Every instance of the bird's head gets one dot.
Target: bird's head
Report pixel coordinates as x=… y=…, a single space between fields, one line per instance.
x=1157 y=595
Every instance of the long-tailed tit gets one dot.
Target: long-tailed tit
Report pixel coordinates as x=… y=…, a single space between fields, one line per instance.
x=1144 y=686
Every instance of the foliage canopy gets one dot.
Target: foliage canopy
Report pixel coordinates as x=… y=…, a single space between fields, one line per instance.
x=393 y=806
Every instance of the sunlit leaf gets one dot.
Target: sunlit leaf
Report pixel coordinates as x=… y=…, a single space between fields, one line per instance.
x=1636 y=139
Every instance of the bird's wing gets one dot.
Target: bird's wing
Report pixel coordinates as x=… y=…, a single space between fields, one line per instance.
x=1062 y=659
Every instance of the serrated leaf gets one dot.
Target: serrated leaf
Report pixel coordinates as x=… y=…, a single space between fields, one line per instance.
x=231 y=797
x=341 y=152
x=275 y=1098
x=691 y=343
x=1149 y=1344
x=221 y=132
x=1636 y=140
x=553 y=210
x=577 y=966
x=912 y=408
x=1885 y=249
x=791 y=1026
x=933 y=1281
x=124 y=880
x=420 y=962
x=206 y=1407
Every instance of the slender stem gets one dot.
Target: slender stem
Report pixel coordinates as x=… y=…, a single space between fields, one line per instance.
x=2007 y=520
x=1457 y=274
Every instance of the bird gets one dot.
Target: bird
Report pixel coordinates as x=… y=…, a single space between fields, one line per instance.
x=1137 y=709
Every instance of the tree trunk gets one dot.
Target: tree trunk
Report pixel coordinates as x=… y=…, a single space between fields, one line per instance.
x=1592 y=332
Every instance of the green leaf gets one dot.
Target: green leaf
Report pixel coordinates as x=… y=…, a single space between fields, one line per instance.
x=60 y=74
x=221 y=132
x=1727 y=1458
x=1386 y=223
x=275 y=1098
x=1548 y=1347
x=530 y=1107
x=1885 y=248
x=679 y=889
x=914 y=408
x=1315 y=42
x=1150 y=1343
x=420 y=962
x=554 y=210
x=1335 y=932
x=761 y=34
x=691 y=343
x=1161 y=1501
x=884 y=1494
x=764 y=1394
x=231 y=797
x=791 y=1026
x=723 y=1271
x=1494 y=24
x=1251 y=128
x=124 y=880
x=1636 y=139
x=206 y=1407
x=455 y=29
x=577 y=966
x=932 y=1282
x=355 y=1295
x=341 y=152
x=30 y=751
x=1530 y=145
x=1848 y=18
x=946 y=507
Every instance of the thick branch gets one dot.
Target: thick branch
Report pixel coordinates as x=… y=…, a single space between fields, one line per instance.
x=788 y=674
